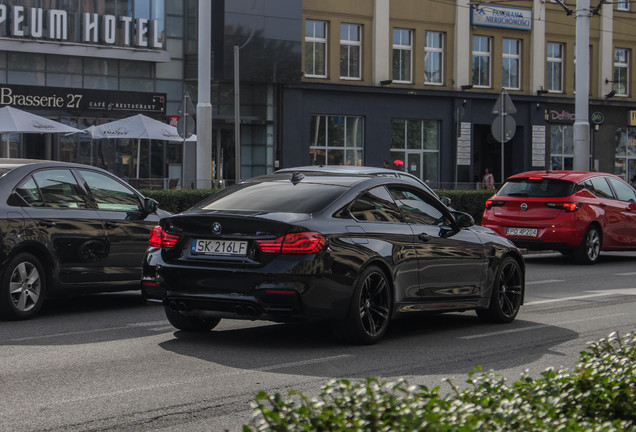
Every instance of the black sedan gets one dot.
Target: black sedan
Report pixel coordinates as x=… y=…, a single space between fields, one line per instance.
x=356 y=251
x=67 y=229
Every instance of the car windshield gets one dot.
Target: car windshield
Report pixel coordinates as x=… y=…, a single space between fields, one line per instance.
x=539 y=188
x=278 y=196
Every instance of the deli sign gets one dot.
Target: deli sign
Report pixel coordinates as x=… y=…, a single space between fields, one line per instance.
x=53 y=24
x=81 y=101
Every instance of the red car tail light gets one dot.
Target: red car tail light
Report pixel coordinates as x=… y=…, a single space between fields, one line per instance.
x=161 y=239
x=567 y=206
x=296 y=243
x=494 y=203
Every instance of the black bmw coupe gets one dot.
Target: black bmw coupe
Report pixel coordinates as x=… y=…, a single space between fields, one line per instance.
x=356 y=251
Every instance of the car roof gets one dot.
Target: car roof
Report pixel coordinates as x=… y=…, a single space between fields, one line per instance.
x=572 y=176
x=10 y=163
x=311 y=177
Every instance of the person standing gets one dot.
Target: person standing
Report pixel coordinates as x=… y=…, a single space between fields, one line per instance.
x=488 y=181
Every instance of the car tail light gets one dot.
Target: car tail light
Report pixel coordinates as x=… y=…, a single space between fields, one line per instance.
x=161 y=239
x=295 y=243
x=494 y=203
x=535 y=178
x=567 y=206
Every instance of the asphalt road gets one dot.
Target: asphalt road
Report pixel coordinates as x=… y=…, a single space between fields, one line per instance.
x=112 y=363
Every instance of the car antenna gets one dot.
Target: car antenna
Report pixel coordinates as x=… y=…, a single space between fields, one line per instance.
x=297 y=177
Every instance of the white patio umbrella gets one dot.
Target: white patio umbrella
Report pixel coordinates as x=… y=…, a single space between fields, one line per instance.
x=13 y=120
x=136 y=127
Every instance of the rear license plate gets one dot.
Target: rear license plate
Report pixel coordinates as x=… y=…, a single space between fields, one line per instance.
x=219 y=247
x=522 y=232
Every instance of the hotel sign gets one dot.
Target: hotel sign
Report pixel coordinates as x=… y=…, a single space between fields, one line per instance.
x=53 y=25
x=81 y=101
x=501 y=16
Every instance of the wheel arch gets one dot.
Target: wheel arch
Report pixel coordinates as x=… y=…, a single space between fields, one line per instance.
x=39 y=252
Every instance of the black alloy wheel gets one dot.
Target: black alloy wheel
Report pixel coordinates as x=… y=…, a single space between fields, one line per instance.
x=370 y=309
x=590 y=249
x=189 y=323
x=507 y=293
x=22 y=288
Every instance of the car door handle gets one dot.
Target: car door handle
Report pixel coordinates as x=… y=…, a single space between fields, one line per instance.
x=112 y=225
x=46 y=223
x=424 y=237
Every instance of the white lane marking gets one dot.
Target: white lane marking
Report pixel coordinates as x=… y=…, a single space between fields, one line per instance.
x=196 y=380
x=144 y=324
x=562 y=323
x=625 y=274
x=616 y=291
x=544 y=281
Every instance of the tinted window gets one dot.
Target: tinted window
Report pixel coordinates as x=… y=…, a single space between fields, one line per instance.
x=29 y=191
x=599 y=187
x=540 y=188
x=281 y=196
x=60 y=189
x=109 y=194
x=376 y=205
x=623 y=191
x=417 y=208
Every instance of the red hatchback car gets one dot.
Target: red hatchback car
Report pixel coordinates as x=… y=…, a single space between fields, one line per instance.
x=578 y=213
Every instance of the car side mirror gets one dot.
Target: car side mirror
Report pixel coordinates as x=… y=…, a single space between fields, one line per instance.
x=463 y=220
x=150 y=205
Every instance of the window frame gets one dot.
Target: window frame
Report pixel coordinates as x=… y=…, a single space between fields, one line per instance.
x=402 y=48
x=434 y=51
x=622 y=5
x=551 y=60
x=618 y=66
x=511 y=57
x=314 y=40
x=349 y=44
x=482 y=55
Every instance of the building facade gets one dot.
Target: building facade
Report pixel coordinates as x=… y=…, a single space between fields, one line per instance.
x=441 y=88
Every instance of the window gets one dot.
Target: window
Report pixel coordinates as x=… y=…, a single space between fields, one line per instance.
x=555 y=67
x=417 y=209
x=622 y=5
x=376 y=205
x=562 y=146
x=315 y=49
x=625 y=164
x=434 y=58
x=110 y=194
x=511 y=63
x=402 y=55
x=60 y=189
x=415 y=148
x=336 y=140
x=481 y=61
x=350 y=51
x=623 y=192
x=621 y=71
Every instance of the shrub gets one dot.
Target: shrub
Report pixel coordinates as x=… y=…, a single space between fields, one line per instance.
x=469 y=201
x=178 y=200
x=599 y=395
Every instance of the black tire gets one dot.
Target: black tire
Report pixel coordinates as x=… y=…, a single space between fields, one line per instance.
x=369 y=311
x=507 y=293
x=22 y=288
x=190 y=323
x=589 y=250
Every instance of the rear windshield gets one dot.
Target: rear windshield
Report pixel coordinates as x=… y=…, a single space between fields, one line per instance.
x=540 y=188
x=279 y=196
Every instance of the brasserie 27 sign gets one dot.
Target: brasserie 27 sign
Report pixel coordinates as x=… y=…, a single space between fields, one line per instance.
x=84 y=101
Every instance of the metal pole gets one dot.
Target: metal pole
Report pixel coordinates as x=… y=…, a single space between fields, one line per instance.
x=237 y=115
x=581 y=122
x=204 y=107
x=502 y=113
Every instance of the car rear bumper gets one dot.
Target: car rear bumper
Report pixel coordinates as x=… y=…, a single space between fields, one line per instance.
x=554 y=235
x=246 y=293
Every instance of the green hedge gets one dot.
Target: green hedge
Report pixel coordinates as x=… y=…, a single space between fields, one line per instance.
x=178 y=200
x=599 y=395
